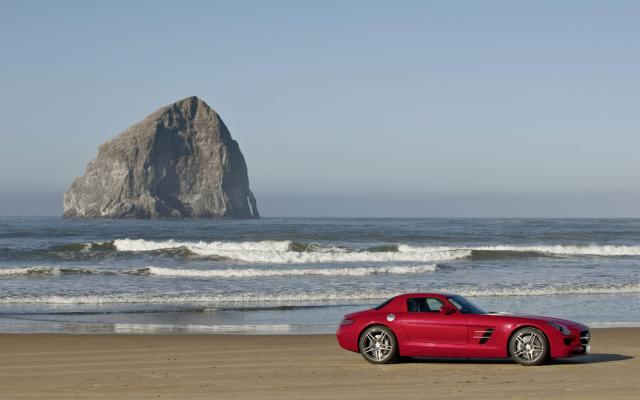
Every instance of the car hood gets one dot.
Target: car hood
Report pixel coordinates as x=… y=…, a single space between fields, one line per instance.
x=565 y=322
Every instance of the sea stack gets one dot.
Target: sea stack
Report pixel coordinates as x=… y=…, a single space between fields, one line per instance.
x=179 y=162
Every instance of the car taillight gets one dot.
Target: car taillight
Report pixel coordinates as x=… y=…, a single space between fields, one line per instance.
x=347 y=321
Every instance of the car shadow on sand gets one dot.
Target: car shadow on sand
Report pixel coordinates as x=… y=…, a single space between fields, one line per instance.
x=593 y=358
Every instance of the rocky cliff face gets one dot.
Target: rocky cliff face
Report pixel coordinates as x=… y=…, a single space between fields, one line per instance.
x=179 y=162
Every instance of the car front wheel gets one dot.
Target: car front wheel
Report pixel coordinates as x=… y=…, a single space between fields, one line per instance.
x=529 y=346
x=378 y=345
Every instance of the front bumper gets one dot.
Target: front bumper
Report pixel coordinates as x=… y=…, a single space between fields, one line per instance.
x=578 y=343
x=585 y=338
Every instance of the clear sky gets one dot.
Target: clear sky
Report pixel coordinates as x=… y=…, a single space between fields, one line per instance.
x=475 y=101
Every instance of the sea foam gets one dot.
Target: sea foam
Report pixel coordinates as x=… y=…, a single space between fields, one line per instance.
x=29 y=271
x=280 y=252
x=223 y=272
x=252 y=272
x=286 y=252
x=326 y=296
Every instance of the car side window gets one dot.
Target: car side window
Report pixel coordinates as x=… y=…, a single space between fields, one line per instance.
x=423 y=304
x=434 y=304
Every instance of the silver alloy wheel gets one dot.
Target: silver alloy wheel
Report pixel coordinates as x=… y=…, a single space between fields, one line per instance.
x=377 y=345
x=529 y=347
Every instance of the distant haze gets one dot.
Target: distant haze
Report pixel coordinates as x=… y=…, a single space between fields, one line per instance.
x=359 y=108
x=589 y=205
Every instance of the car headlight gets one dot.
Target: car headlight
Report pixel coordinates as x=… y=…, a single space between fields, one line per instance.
x=346 y=321
x=563 y=329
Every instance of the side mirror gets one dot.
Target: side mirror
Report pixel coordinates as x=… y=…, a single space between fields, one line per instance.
x=447 y=310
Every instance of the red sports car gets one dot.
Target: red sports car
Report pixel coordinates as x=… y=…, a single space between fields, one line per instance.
x=448 y=325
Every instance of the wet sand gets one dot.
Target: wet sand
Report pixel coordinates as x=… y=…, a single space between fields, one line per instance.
x=293 y=367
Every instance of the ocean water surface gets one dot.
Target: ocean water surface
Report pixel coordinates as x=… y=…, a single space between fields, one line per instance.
x=297 y=275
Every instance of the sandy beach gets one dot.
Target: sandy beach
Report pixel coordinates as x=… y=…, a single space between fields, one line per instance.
x=293 y=367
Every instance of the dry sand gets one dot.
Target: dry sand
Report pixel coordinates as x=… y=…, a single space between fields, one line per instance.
x=293 y=367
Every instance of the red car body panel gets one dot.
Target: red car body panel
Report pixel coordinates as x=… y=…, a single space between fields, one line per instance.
x=436 y=334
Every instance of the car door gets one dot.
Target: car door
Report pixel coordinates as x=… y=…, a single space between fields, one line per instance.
x=426 y=326
x=484 y=335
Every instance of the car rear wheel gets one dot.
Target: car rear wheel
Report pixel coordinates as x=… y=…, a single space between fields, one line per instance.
x=529 y=346
x=378 y=345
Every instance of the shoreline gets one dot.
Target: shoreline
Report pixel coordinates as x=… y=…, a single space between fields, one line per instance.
x=9 y=326
x=224 y=330
x=221 y=366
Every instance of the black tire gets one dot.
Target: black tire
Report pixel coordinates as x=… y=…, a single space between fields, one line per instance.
x=378 y=345
x=529 y=346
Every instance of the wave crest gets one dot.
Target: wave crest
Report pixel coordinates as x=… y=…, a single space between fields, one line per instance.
x=52 y=271
x=287 y=252
x=93 y=246
x=251 y=272
x=222 y=298
x=29 y=271
x=223 y=273
x=564 y=250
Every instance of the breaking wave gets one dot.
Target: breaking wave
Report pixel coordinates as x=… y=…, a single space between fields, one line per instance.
x=223 y=298
x=34 y=271
x=563 y=250
x=223 y=273
x=250 y=273
x=94 y=246
x=553 y=290
x=288 y=252
x=52 y=271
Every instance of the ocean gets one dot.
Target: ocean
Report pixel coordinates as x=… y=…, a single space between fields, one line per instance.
x=300 y=275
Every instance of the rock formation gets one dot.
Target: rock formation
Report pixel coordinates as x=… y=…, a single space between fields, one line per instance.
x=179 y=162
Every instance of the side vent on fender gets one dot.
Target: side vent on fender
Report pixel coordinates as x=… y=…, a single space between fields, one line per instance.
x=483 y=335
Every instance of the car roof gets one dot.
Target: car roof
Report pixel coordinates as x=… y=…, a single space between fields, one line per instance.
x=399 y=302
x=426 y=294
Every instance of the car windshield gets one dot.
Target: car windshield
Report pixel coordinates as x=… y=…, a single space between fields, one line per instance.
x=465 y=306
